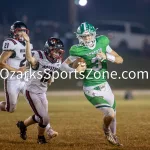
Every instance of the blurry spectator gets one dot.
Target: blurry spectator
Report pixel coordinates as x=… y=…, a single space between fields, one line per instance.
x=38 y=38
x=69 y=41
x=25 y=19
x=128 y=95
x=56 y=34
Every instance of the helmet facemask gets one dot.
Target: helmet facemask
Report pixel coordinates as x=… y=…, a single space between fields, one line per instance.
x=53 y=53
x=56 y=53
x=16 y=29
x=86 y=34
x=87 y=39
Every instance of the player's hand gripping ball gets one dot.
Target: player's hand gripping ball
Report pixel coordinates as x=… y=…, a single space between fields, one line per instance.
x=79 y=64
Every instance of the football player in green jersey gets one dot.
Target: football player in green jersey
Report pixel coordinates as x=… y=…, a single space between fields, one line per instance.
x=96 y=52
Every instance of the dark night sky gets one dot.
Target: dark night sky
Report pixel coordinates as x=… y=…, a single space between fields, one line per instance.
x=58 y=9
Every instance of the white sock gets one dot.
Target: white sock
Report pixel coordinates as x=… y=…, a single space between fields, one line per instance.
x=48 y=127
x=113 y=126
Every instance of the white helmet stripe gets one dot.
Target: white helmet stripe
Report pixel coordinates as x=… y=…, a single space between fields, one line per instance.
x=84 y=26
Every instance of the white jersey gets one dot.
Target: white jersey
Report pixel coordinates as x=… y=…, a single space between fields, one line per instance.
x=38 y=81
x=18 y=58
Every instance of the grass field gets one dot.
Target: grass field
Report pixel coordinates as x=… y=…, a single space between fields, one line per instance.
x=79 y=125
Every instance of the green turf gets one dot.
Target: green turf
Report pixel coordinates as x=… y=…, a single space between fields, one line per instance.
x=80 y=125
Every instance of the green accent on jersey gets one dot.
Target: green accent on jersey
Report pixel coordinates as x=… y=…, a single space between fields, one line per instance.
x=95 y=73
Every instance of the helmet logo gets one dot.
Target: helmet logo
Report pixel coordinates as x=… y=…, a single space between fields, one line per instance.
x=78 y=30
x=12 y=28
x=53 y=41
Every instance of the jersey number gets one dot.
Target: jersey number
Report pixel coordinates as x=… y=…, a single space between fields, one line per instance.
x=22 y=63
x=45 y=76
x=97 y=65
x=6 y=45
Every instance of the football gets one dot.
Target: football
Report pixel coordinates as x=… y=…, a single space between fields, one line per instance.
x=77 y=62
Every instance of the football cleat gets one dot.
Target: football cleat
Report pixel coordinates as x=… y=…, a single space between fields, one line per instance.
x=117 y=141
x=23 y=129
x=41 y=140
x=109 y=136
x=51 y=133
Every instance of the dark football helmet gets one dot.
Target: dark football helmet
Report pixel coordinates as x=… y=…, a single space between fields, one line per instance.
x=54 y=49
x=16 y=27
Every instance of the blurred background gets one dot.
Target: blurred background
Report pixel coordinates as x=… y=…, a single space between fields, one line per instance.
x=125 y=22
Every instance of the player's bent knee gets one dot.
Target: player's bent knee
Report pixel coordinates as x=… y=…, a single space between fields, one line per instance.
x=112 y=116
x=36 y=118
x=111 y=113
x=107 y=111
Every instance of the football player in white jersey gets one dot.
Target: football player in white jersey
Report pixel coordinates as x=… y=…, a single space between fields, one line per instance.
x=13 y=59
x=44 y=62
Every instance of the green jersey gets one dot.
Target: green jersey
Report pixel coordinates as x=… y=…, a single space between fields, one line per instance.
x=95 y=73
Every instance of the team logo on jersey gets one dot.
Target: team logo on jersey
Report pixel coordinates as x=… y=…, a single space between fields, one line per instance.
x=94 y=52
x=50 y=68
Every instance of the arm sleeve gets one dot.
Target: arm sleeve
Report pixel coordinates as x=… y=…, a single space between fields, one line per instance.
x=73 y=58
x=65 y=67
x=31 y=46
x=108 y=49
x=110 y=57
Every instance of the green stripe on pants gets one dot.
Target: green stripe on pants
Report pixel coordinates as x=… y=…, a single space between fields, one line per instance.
x=99 y=100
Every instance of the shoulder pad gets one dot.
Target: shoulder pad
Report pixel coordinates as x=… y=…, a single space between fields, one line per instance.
x=38 y=54
x=103 y=39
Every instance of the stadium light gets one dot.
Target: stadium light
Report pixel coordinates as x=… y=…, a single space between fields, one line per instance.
x=82 y=2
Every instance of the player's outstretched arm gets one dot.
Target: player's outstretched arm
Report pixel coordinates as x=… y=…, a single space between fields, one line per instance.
x=117 y=58
x=29 y=57
x=65 y=65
